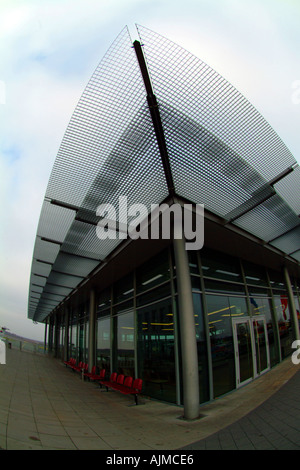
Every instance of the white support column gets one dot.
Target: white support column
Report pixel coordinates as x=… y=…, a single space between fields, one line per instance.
x=189 y=352
x=291 y=303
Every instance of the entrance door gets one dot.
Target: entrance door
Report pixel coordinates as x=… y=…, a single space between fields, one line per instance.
x=261 y=344
x=251 y=348
x=244 y=351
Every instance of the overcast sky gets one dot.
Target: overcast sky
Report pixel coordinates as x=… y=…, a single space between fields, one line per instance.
x=49 y=50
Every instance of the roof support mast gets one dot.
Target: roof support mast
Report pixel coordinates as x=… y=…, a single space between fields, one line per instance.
x=154 y=111
x=189 y=353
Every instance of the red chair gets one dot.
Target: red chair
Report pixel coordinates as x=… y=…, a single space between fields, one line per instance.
x=110 y=382
x=79 y=367
x=96 y=377
x=89 y=374
x=128 y=382
x=119 y=382
x=135 y=389
x=70 y=362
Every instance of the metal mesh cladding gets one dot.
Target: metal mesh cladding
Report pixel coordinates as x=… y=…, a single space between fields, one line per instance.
x=108 y=150
x=221 y=152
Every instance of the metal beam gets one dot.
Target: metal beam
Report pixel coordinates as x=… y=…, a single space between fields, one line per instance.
x=156 y=119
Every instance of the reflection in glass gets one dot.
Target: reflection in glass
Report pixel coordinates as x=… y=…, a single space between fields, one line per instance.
x=260 y=346
x=284 y=324
x=103 y=343
x=154 y=272
x=245 y=353
x=86 y=345
x=123 y=289
x=262 y=306
x=221 y=341
x=103 y=300
x=155 y=350
x=193 y=262
x=81 y=342
x=73 y=341
x=255 y=274
x=123 y=341
x=202 y=349
x=223 y=287
x=220 y=266
x=154 y=295
x=60 y=346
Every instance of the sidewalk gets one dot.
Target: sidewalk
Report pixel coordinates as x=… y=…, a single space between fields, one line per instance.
x=44 y=405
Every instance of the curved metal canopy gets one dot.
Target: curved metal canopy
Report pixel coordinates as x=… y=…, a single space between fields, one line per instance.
x=220 y=152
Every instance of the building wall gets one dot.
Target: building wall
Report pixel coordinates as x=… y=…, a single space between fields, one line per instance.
x=137 y=324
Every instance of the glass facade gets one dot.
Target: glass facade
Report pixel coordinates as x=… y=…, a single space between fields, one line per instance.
x=123 y=340
x=156 y=349
x=242 y=322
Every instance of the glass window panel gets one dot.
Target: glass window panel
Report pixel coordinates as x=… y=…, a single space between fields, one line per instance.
x=103 y=313
x=201 y=348
x=260 y=345
x=104 y=299
x=153 y=273
x=193 y=262
x=262 y=306
x=123 y=307
x=86 y=345
x=73 y=342
x=103 y=343
x=276 y=280
x=245 y=353
x=255 y=274
x=81 y=342
x=123 y=289
x=220 y=266
x=196 y=283
x=224 y=287
x=60 y=345
x=123 y=345
x=258 y=291
x=221 y=342
x=154 y=295
x=282 y=314
x=155 y=350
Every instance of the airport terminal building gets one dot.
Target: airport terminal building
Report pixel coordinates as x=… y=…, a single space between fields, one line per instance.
x=155 y=125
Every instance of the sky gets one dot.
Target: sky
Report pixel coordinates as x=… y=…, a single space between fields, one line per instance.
x=50 y=48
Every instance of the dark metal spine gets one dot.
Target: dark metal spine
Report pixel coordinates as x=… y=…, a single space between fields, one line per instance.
x=156 y=119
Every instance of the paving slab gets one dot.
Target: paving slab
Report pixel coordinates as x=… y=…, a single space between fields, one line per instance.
x=45 y=406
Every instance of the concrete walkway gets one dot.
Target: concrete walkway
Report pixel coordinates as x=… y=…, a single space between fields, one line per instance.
x=44 y=405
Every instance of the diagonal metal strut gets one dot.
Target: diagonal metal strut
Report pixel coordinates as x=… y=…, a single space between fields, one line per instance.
x=156 y=119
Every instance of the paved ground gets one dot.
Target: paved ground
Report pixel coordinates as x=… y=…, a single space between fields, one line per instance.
x=44 y=405
x=275 y=424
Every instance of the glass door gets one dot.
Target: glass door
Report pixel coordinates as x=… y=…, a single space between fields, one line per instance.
x=251 y=348
x=244 y=351
x=261 y=344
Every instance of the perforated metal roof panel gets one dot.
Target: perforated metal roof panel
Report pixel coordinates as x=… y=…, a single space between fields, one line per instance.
x=220 y=151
